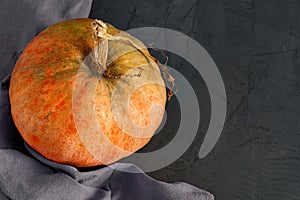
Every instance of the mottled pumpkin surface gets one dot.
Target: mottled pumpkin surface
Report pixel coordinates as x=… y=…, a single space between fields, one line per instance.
x=73 y=116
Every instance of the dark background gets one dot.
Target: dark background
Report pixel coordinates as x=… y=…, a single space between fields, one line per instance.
x=255 y=45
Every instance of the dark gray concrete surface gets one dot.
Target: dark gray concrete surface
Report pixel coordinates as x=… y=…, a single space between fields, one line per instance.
x=255 y=45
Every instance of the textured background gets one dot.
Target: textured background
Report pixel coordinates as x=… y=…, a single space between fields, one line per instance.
x=255 y=44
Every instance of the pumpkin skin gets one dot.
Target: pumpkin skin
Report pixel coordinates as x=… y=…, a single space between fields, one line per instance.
x=66 y=113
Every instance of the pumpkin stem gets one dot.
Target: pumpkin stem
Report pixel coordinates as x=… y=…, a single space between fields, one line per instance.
x=100 y=37
x=168 y=78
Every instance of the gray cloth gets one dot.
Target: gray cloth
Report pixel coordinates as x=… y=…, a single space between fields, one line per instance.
x=24 y=174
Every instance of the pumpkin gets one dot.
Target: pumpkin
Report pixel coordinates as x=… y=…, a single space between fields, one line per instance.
x=83 y=93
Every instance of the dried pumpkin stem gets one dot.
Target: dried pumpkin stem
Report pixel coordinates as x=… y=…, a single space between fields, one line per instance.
x=101 y=38
x=100 y=51
x=169 y=80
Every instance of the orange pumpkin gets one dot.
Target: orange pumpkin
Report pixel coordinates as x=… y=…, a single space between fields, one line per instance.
x=83 y=94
